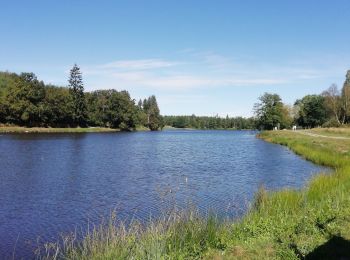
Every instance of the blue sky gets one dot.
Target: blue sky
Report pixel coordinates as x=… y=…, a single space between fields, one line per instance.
x=201 y=57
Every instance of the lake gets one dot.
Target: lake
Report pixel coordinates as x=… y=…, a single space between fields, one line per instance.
x=56 y=183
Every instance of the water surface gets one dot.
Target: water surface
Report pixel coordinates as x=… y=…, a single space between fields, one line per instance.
x=54 y=183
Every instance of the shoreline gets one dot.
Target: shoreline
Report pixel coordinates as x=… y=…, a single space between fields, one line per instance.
x=205 y=129
x=37 y=130
x=48 y=130
x=61 y=130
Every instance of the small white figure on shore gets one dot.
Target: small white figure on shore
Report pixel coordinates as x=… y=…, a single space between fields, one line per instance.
x=294 y=128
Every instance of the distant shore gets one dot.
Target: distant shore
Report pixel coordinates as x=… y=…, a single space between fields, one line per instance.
x=26 y=130
x=167 y=127
x=21 y=129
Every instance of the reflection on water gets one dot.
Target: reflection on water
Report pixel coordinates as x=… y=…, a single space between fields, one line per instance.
x=53 y=183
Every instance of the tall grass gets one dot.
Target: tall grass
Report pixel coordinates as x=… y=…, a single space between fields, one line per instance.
x=288 y=224
x=178 y=235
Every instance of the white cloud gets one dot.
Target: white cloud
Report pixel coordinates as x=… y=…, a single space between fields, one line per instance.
x=128 y=65
x=184 y=82
x=195 y=70
x=145 y=64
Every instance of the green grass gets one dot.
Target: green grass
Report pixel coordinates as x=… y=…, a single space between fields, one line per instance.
x=338 y=132
x=141 y=128
x=311 y=223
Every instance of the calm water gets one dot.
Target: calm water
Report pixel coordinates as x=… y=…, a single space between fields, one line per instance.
x=55 y=183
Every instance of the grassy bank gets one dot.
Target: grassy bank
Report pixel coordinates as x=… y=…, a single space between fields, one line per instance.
x=337 y=132
x=312 y=223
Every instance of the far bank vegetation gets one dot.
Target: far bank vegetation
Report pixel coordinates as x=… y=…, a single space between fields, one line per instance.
x=27 y=101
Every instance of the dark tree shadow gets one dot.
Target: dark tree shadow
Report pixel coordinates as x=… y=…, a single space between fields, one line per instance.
x=335 y=248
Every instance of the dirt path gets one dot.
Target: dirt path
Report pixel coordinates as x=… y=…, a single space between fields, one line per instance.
x=323 y=136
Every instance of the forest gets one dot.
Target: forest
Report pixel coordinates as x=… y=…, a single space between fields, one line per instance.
x=207 y=122
x=27 y=101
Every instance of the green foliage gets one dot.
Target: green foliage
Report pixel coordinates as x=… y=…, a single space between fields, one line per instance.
x=333 y=105
x=346 y=97
x=205 y=122
x=330 y=109
x=25 y=101
x=76 y=88
x=312 y=111
x=151 y=109
x=58 y=110
x=111 y=108
x=333 y=122
x=271 y=112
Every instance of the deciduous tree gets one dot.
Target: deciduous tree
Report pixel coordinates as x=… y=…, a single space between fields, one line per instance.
x=332 y=102
x=270 y=112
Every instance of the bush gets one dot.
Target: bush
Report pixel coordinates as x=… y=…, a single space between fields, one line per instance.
x=331 y=123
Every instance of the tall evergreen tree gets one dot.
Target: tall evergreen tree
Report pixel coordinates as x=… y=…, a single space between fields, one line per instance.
x=76 y=87
x=154 y=120
x=346 y=97
x=139 y=104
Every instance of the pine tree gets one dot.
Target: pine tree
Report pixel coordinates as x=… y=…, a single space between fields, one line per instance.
x=346 y=98
x=139 y=104
x=154 y=120
x=76 y=88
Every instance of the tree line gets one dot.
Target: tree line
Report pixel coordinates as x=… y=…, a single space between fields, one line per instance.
x=27 y=101
x=206 y=122
x=331 y=108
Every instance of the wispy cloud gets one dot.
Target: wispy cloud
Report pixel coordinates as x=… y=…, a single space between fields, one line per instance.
x=145 y=64
x=183 y=82
x=193 y=70
x=128 y=66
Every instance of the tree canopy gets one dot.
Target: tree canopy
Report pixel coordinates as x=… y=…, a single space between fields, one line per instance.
x=331 y=108
x=26 y=101
x=312 y=111
x=151 y=109
x=207 y=122
x=76 y=88
x=271 y=112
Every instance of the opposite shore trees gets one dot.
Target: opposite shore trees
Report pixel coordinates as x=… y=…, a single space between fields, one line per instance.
x=151 y=109
x=26 y=101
